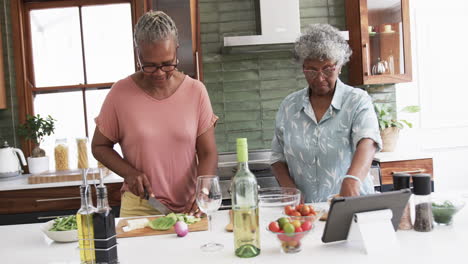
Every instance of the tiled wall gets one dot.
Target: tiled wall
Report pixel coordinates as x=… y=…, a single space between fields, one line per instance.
x=247 y=84
x=8 y=116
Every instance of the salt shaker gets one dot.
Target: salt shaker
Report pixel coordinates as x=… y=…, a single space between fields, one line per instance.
x=402 y=181
x=422 y=201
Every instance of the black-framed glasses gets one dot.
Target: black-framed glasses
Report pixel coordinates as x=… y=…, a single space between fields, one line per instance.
x=151 y=68
x=328 y=72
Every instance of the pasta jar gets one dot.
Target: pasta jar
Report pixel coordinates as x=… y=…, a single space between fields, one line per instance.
x=82 y=147
x=61 y=154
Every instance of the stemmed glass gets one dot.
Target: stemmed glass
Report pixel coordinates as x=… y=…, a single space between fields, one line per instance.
x=209 y=200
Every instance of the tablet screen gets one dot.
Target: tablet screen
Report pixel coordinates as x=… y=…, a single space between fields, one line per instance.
x=342 y=210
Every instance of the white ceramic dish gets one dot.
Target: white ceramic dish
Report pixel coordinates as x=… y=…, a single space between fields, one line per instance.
x=59 y=236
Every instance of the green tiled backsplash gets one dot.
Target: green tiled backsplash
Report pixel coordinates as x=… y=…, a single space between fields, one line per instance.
x=247 y=84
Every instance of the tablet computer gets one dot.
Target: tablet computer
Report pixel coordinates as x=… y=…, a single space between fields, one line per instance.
x=342 y=210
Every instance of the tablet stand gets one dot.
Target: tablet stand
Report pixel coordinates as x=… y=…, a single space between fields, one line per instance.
x=374 y=231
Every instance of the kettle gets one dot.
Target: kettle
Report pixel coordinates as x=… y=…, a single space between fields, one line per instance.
x=380 y=67
x=9 y=162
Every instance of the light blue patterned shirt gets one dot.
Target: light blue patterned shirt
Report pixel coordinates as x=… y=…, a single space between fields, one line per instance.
x=319 y=155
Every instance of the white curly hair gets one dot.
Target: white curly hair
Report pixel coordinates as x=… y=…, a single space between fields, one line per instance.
x=322 y=42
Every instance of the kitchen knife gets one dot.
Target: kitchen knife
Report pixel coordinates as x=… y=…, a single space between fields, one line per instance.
x=156 y=204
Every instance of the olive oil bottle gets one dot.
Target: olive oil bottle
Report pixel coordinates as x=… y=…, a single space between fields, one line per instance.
x=245 y=206
x=84 y=220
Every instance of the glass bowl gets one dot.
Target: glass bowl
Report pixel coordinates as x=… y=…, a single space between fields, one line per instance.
x=292 y=242
x=443 y=209
x=271 y=202
x=312 y=218
x=279 y=197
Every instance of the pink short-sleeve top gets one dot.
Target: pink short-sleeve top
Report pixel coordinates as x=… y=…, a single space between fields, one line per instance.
x=158 y=137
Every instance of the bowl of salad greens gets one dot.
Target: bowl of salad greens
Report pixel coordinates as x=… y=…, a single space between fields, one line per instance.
x=61 y=229
x=444 y=209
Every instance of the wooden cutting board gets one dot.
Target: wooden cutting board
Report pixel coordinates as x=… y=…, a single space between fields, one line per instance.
x=201 y=225
x=64 y=176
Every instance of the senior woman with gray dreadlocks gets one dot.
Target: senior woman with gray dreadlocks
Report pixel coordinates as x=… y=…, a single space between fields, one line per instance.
x=162 y=120
x=326 y=134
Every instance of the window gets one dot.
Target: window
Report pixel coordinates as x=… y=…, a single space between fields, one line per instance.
x=73 y=52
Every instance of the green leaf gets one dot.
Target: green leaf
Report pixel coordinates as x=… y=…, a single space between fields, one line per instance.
x=411 y=109
x=162 y=223
x=36 y=128
x=407 y=123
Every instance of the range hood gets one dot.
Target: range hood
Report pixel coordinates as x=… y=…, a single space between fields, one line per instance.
x=280 y=24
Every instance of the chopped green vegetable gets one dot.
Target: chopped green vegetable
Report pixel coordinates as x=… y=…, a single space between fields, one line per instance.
x=173 y=215
x=443 y=212
x=162 y=223
x=166 y=222
x=64 y=223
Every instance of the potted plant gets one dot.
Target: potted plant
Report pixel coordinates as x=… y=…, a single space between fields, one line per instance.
x=35 y=129
x=389 y=126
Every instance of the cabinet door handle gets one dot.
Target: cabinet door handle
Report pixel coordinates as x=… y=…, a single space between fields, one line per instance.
x=197 y=66
x=58 y=199
x=411 y=171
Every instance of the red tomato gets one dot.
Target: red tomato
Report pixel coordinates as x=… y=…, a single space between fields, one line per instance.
x=298 y=229
x=307 y=225
x=298 y=207
x=274 y=226
x=312 y=211
x=305 y=210
x=295 y=213
x=288 y=209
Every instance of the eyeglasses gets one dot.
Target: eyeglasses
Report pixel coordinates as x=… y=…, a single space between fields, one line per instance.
x=153 y=68
x=328 y=72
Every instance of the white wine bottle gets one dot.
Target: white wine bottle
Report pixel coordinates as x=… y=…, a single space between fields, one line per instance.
x=244 y=190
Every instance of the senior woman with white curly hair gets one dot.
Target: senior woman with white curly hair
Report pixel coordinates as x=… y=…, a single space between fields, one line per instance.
x=162 y=120
x=326 y=134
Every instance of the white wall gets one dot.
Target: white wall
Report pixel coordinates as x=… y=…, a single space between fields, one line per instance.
x=439 y=31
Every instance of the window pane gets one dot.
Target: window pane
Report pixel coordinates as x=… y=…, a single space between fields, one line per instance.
x=94 y=100
x=107 y=33
x=56 y=45
x=67 y=109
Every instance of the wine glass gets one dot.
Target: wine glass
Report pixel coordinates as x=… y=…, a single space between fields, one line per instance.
x=209 y=200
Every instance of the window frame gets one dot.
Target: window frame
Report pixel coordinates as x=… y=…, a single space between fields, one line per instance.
x=24 y=58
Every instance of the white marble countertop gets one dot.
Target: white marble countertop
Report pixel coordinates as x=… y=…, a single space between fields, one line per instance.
x=21 y=183
x=400 y=155
x=27 y=244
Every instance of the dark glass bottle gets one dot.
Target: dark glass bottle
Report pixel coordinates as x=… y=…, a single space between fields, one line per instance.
x=422 y=201
x=105 y=241
x=402 y=181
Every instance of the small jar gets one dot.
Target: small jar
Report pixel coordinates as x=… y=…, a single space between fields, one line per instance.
x=402 y=181
x=61 y=154
x=82 y=149
x=422 y=202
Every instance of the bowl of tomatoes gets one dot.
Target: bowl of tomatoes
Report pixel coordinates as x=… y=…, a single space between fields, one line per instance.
x=290 y=231
x=306 y=211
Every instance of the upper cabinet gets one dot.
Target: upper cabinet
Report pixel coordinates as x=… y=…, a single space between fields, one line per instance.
x=185 y=15
x=2 y=77
x=379 y=35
